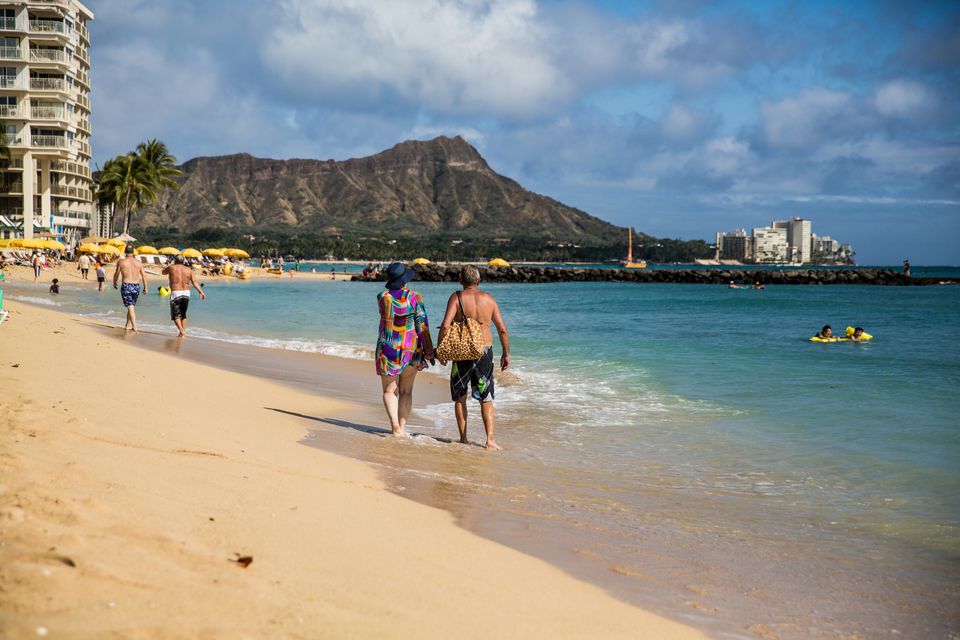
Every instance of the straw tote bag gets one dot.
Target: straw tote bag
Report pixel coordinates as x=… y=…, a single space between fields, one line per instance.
x=463 y=340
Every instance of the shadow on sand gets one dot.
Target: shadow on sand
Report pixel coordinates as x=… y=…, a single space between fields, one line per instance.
x=363 y=428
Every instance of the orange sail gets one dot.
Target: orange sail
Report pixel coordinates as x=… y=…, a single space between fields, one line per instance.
x=629 y=263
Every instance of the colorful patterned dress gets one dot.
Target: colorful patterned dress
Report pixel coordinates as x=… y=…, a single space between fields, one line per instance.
x=403 y=318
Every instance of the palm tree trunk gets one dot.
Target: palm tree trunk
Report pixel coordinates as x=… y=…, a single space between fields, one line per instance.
x=126 y=213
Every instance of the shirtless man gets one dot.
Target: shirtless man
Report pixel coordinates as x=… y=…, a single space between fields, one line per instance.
x=131 y=270
x=475 y=376
x=181 y=277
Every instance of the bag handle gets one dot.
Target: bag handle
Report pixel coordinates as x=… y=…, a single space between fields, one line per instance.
x=462 y=312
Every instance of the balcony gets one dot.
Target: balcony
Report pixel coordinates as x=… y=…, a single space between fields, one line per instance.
x=84 y=102
x=48 y=84
x=83 y=78
x=44 y=112
x=8 y=24
x=48 y=55
x=76 y=168
x=12 y=187
x=11 y=53
x=84 y=125
x=9 y=110
x=54 y=142
x=64 y=191
x=47 y=26
x=84 y=148
x=9 y=82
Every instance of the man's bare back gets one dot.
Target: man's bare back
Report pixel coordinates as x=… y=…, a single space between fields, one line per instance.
x=180 y=276
x=131 y=271
x=481 y=306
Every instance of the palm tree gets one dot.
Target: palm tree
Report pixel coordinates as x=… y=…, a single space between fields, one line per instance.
x=129 y=182
x=162 y=162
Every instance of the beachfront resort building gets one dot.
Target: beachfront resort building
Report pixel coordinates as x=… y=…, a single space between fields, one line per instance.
x=783 y=242
x=45 y=185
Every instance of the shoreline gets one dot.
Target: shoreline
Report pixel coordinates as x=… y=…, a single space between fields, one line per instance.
x=124 y=506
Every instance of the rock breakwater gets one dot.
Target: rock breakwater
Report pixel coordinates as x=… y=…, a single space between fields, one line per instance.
x=541 y=274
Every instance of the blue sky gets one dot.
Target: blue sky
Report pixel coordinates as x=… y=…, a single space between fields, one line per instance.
x=678 y=117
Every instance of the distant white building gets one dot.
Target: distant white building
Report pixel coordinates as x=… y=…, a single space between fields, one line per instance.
x=798 y=238
x=735 y=245
x=770 y=244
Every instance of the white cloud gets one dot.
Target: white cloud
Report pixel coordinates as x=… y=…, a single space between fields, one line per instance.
x=906 y=99
x=804 y=120
x=473 y=56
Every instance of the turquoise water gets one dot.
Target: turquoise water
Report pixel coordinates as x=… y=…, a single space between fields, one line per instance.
x=678 y=427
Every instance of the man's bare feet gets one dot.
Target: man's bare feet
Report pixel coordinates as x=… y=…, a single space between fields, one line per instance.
x=464 y=440
x=493 y=446
x=398 y=431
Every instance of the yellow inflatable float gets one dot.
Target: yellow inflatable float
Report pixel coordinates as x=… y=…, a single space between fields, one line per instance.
x=864 y=336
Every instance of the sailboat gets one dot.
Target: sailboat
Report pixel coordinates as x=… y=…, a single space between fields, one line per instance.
x=629 y=263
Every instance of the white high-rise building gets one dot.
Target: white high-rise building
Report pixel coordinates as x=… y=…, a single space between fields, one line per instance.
x=45 y=114
x=770 y=244
x=798 y=238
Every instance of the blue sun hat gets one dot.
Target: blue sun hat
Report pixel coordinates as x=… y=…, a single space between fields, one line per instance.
x=398 y=275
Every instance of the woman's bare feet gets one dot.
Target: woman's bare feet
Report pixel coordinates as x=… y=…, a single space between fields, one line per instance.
x=493 y=446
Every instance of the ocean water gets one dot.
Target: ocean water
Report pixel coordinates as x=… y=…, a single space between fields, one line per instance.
x=685 y=446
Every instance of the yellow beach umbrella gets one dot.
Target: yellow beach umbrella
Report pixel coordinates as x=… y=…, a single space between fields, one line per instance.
x=108 y=249
x=92 y=240
x=236 y=253
x=4 y=243
x=498 y=262
x=88 y=248
x=213 y=253
x=117 y=242
x=146 y=249
x=169 y=251
x=31 y=243
x=191 y=253
x=421 y=261
x=53 y=245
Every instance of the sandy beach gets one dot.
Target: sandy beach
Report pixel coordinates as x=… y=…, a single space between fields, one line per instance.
x=133 y=482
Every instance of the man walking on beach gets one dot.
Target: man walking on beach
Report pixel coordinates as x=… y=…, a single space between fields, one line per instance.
x=475 y=376
x=181 y=277
x=133 y=276
x=84 y=266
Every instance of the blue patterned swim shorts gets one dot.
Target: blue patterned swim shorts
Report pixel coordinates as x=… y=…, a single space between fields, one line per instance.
x=129 y=293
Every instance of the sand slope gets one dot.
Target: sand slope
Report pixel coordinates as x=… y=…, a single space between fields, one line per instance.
x=130 y=479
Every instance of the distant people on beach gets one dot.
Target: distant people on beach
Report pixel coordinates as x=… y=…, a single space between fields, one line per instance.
x=404 y=344
x=101 y=275
x=906 y=267
x=475 y=377
x=36 y=260
x=55 y=286
x=83 y=264
x=133 y=281
x=181 y=278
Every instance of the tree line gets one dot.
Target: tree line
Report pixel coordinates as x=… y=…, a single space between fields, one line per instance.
x=436 y=247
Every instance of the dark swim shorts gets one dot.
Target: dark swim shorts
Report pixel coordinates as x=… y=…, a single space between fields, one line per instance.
x=178 y=307
x=129 y=293
x=473 y=375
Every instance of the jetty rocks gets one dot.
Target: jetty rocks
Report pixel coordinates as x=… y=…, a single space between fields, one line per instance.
x=541 y=274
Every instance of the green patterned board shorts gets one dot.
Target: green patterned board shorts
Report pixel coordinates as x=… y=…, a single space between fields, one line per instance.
x=475 y=376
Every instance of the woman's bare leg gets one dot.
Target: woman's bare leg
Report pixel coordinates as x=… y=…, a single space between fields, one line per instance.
x=391 y=401
x=405 y=397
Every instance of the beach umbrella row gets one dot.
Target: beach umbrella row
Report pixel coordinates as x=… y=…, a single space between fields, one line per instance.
x=33 y=243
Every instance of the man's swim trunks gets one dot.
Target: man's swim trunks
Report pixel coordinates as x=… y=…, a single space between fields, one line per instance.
x=179 y=300
x=129 y=292
x=473 y=375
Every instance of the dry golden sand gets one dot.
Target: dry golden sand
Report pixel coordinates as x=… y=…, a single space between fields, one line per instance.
x=127 y=493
